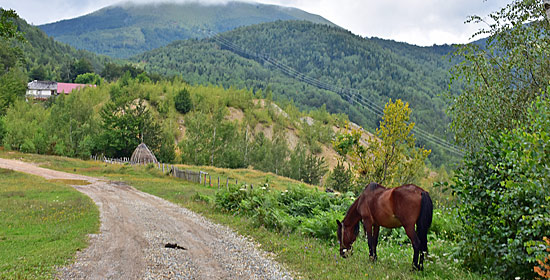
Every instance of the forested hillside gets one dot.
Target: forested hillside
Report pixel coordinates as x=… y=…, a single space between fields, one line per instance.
x=46 y=59
x=198 y=125
x=371 y=69
x=128 y=29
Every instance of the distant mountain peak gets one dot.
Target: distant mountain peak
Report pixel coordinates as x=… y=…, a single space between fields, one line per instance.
x=129 y=28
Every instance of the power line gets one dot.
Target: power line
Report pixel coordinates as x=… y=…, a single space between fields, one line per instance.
x=350 y=95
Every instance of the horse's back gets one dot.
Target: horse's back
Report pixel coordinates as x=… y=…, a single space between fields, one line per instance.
x=406 y=202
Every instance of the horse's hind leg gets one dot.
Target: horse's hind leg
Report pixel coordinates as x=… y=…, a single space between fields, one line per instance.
x=409 y=229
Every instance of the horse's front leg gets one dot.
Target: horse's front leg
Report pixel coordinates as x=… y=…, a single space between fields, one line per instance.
x=367 y=226
x=375 y=231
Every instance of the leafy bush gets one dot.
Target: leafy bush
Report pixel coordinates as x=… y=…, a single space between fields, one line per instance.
x=297 y=209
x=543 y=269
x=503 y=193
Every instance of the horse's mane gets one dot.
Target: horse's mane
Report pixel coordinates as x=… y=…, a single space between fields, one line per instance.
x=373 y=186
x=370 y=187
x=354 y=206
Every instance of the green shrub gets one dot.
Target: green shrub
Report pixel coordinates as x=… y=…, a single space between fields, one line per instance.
x=297 y=209
x=202 y=197
x=503 y=193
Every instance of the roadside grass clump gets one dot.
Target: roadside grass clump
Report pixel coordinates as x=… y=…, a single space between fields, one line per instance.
x=42 y=225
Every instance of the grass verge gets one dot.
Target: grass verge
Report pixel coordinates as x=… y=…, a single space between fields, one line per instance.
x=42 y=225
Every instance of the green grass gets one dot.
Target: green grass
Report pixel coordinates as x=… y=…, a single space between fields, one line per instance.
x=42 y=225
x=309 y=258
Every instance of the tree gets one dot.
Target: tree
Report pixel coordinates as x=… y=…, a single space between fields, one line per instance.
x=340 y=178
x=125 y=126
x=8 y=29
x=183 y=102
x=72 y=69
x=88 y=78
x=12 y=80
x=111 y=72
x=82 y=66
x=503 y=192
x=24 y=127
x=500 y=79
x=390 y=159
x=501 y=117
x=12 y=87
x=38 y=73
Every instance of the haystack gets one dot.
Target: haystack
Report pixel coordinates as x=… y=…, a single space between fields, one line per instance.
x=142 y=154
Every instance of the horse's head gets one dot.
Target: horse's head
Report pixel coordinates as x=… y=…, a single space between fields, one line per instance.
x=346 y=237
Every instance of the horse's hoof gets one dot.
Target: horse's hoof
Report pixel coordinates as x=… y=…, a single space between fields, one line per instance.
x=416 y=268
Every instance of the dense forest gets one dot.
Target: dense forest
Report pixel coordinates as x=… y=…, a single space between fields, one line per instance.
x=46 y=59
x=124 y=30
x=368 y=68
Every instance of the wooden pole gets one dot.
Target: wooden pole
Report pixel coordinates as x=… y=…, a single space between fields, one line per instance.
x=218 y=182
x=227 y=184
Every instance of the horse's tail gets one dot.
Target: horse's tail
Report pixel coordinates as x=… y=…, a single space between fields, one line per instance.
x=424 y=220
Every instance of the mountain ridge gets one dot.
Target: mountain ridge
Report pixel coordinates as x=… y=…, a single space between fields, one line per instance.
x=126 y=29
x=372 y=69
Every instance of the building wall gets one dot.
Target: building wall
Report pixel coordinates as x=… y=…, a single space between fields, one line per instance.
x=39 y=92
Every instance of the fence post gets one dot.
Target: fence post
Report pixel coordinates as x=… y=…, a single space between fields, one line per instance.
x=236 y=182
x=227 y=184
x=218 y=182
x=205 y=179
x=209 y=180
x=163 y=168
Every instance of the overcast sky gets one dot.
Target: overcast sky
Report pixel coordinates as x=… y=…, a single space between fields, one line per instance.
x=419 y=22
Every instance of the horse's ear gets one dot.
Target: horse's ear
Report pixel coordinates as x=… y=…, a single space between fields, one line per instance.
x=338 y=223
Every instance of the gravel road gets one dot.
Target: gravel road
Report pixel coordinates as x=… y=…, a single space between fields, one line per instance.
x=135 y=229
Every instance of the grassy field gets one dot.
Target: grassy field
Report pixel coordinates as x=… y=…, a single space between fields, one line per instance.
x=310 y=258
x=42 y=225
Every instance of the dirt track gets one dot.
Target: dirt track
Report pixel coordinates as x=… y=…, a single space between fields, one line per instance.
x=135 y=227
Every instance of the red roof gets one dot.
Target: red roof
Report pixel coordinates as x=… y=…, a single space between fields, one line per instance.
x=68 y=87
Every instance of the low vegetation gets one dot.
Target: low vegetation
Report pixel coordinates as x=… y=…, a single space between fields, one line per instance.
x=42 y=225
x=304 y=250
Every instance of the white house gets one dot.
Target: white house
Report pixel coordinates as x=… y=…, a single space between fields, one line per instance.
x=41 y=89
x=46 y=89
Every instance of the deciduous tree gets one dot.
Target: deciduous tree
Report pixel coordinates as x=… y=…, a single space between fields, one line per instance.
x=390 y=159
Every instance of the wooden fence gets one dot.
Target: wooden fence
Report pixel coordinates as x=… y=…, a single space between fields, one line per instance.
x=199 y=177
x=188 y=175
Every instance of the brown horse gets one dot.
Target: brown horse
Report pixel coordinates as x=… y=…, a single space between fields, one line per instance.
x=379 y=206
